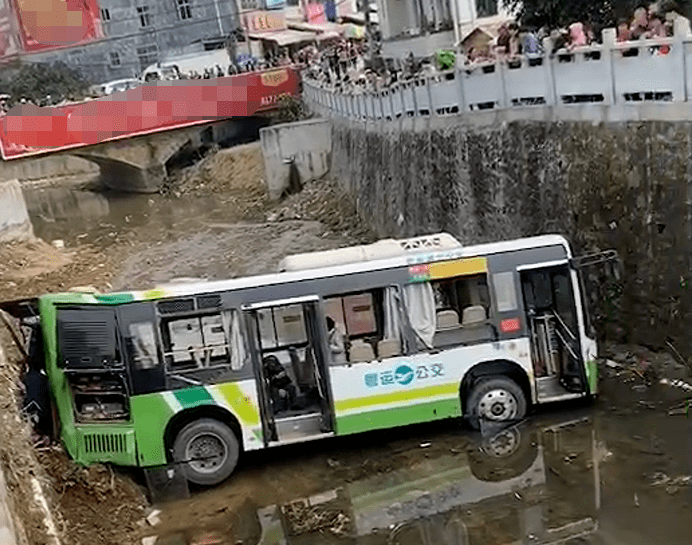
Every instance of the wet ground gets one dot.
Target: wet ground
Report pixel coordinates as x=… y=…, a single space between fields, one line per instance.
x=616 y=472
x=571 y=474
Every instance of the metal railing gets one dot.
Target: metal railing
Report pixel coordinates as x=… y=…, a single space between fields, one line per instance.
x=608 y=74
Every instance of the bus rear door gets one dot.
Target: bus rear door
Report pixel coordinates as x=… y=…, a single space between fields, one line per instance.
x=289 y=356
x=554 y=329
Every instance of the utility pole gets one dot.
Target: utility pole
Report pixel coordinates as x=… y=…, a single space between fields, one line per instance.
x=365 y=6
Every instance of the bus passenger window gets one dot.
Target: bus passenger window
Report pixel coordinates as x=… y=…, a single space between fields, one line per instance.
x=369 y=323
x=143 y=345
x=462 y=309
x=505 y=291
x=203 y=341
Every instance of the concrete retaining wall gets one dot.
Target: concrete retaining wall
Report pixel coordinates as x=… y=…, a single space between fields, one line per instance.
x=14 y=218
x=7 y=532
x=622 y=185
x=308 y=142
x=46 y=168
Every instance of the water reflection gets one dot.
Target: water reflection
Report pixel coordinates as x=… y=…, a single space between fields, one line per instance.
x=500 y=492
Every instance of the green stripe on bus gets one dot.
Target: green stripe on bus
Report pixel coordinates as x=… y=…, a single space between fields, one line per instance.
x=191 y=397
x=114 y=298
x=451 y=388
x=400 y=416
x=151 y=416
x=592 y=376
x=154 y=294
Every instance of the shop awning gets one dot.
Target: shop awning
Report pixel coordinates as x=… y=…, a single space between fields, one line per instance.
x=330 y=35
x=349 y=30
x=283 y=38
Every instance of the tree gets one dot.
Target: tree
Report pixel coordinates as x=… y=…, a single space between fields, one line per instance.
x=35 y=81
x=599 y=13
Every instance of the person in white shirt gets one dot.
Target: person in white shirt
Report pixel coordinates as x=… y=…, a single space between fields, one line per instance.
x=336 y=341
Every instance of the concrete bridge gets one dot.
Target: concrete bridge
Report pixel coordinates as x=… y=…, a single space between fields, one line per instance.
x=129 y=137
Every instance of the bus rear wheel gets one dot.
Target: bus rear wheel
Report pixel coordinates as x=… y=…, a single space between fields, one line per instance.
x=208 y=451
x=497 y=400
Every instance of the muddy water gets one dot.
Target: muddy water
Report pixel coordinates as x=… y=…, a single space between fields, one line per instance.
x=571 y=475
x=80 y=216
x=612 y=474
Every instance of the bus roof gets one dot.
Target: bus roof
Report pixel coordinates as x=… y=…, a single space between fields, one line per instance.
x=422 y=256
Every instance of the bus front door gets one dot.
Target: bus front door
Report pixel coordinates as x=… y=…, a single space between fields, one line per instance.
x=555 y=346
x=289 y=353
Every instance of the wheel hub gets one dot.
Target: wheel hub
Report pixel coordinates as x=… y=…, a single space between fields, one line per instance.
x=206 y=452
x=498 y=405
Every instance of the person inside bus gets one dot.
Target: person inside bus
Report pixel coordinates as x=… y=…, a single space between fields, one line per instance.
x=335 y=337
x=282 y=390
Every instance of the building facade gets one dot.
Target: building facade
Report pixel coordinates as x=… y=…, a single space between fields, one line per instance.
x=138 y=33
x=423 y=26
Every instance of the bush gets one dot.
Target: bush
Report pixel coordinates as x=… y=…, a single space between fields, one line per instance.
x=35 y=81
x=291 y=109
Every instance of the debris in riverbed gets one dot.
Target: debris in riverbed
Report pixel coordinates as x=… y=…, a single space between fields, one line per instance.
x=677 y=384
x=303 y=518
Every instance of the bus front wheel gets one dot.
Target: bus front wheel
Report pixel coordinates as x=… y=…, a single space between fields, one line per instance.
x=208 y=451
x=495 y=399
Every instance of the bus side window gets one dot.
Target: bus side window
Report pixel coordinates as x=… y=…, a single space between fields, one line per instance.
x=211 y=340
x=143 y=345
x=369 y=323
x=462 y=308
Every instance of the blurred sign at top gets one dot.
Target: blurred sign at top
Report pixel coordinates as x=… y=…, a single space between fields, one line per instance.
x=9 y=41
x=53 y=24
x=330 y=10
x=275 y=4
x=263 y=21
x=315 y=13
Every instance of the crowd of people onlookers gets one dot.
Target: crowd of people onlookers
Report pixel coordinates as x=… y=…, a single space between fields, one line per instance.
x=657 y=20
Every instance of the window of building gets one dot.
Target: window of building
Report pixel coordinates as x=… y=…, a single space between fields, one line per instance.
x=114 y=58
x=144 y=16
x=147 y=55
x=200 y=342
x=486 y=8
x=105 y=14
x=250 y=4
x=184 y=9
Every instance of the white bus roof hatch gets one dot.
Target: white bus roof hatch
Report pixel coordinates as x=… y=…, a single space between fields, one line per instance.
x=379 y=250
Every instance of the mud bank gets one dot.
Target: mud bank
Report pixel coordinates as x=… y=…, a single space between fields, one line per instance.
x=622 y=185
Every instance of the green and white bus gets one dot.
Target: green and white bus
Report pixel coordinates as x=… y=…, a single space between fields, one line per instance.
x=194 y=373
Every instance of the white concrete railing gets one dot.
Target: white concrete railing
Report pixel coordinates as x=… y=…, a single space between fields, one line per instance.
x=598 y=74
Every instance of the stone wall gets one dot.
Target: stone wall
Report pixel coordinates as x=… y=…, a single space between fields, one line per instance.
x=622 y=185
x=308 y=143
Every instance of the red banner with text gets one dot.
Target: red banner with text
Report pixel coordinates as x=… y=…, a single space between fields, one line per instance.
x=54 y=24
x=31 y=130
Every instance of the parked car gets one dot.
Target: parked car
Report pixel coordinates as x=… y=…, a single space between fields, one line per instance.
x=115 y=86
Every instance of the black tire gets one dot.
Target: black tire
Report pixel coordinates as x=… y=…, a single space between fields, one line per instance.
x=213 y=442
x=510 y=398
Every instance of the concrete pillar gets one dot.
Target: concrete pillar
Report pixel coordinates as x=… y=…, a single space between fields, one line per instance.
x=14 y=217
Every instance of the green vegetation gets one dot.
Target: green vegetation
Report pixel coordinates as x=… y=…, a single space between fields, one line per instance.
x=35 y=81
